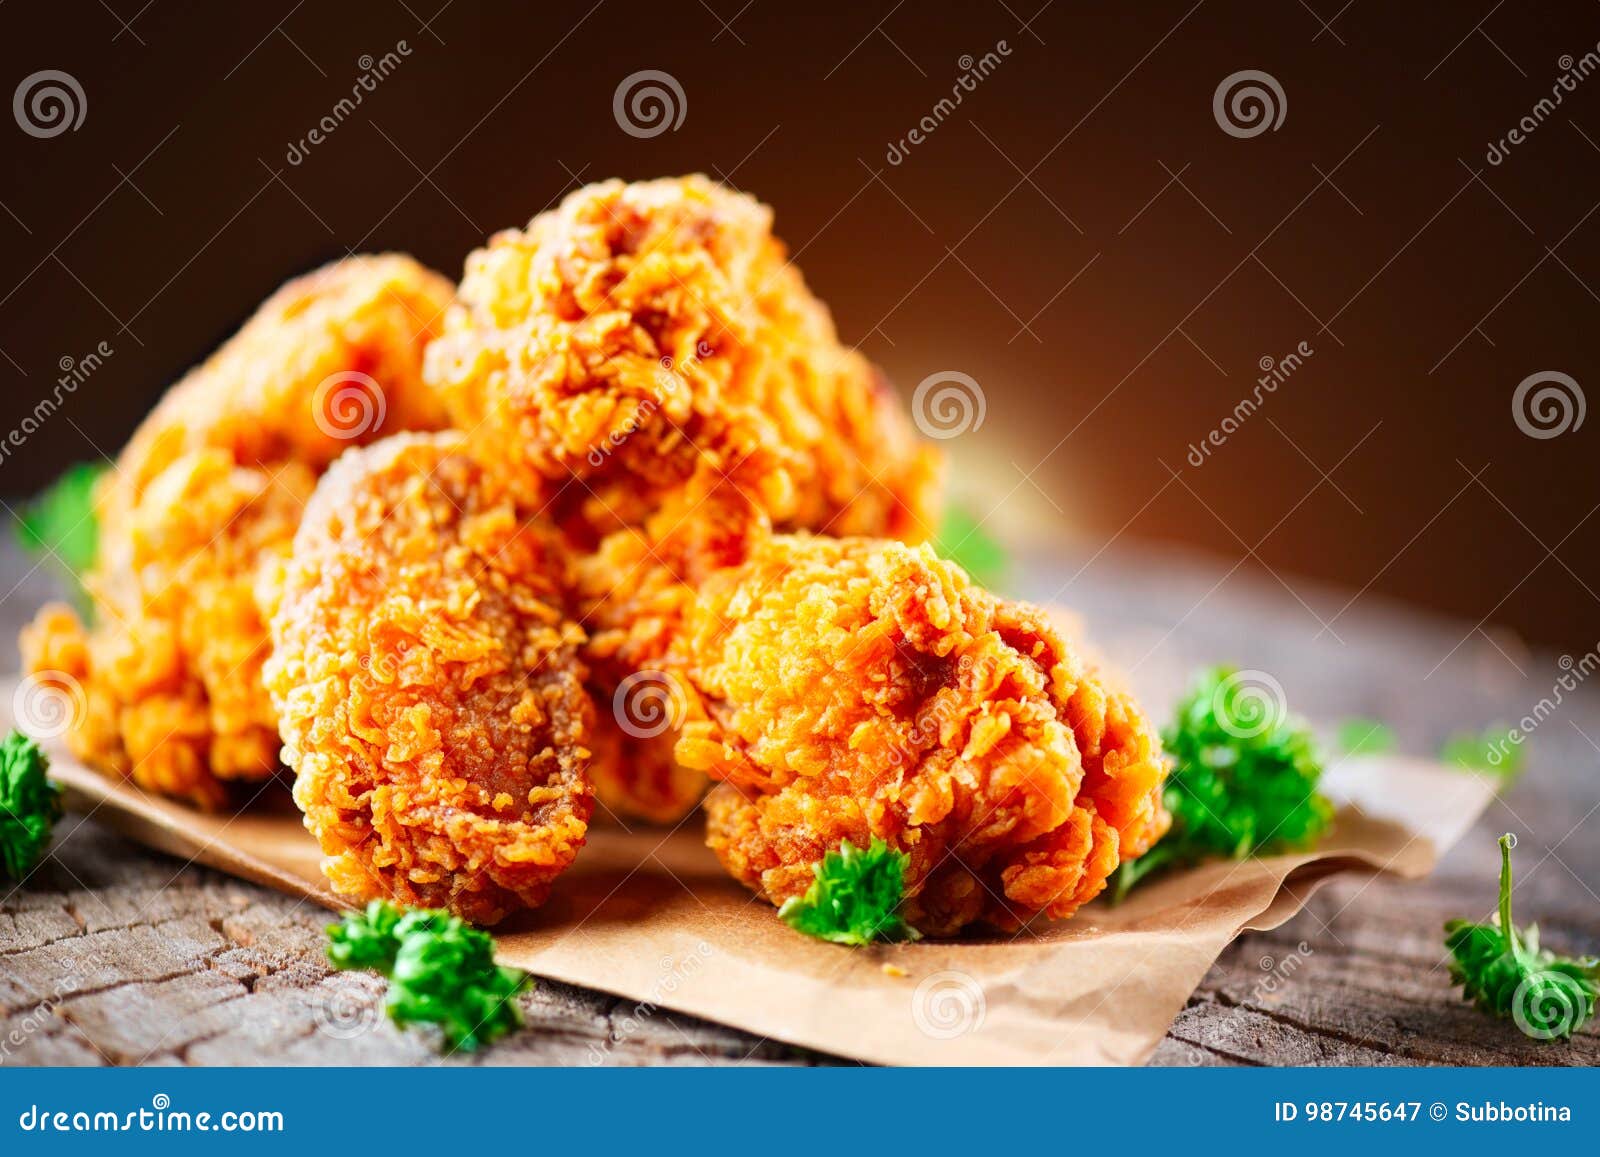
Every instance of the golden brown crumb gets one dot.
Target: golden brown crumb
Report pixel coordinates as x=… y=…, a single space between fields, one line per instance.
x=429 y=688
x=206 y=494
x=647 y=351
x=852 y=689
x=894 y=970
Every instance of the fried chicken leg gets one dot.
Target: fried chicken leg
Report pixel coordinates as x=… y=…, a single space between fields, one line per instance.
x=428 y=684
x=166 y=687
x=646 y=354
x=856 y=688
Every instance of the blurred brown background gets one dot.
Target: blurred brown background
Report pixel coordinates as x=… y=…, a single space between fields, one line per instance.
x=1079 y=235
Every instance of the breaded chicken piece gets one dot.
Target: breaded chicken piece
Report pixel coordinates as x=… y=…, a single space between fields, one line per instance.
x=648 y=351
x=428 y=685
x=858 y=688
x=166 y=685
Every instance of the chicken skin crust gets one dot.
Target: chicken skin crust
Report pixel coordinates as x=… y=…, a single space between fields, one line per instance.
x=858 y=688
x=166 y=686
x=646 y=354
x=428 y=685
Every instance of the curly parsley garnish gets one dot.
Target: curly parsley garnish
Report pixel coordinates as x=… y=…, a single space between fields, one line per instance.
x=441 y=971
x=1244 y=778
x=1504 y=971
x=366 y=939
x=855 y=898
x=29 y=805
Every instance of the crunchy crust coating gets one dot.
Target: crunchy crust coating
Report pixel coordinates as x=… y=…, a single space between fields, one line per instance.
x=644 y=335
x=857 y=688
x=428 y=684
x=208 y=492
x=646 y=354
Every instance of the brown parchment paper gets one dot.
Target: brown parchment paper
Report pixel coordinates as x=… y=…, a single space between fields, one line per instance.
x=650 y=916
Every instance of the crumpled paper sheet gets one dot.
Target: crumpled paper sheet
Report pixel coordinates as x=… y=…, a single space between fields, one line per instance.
x=650 y=916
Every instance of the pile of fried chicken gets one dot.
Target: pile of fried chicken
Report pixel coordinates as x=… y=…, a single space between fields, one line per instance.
x=613 y=521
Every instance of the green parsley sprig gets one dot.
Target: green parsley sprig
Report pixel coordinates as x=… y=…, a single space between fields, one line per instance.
x=1244 y=778
x=1504 y=972
x=29 y=804
x=441 y=971
x=855 y=897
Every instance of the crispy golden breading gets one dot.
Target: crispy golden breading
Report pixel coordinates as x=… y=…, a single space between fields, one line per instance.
x=647 y=351
x=428 y=684
x=208 y=491
x=857 y=688
x=635 y=591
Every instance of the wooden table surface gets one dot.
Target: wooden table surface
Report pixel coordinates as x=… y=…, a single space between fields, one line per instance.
x=153 y=961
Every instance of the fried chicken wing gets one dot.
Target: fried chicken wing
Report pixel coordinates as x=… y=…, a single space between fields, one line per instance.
x=428 y=684
x=857 y=688
x=647 y=354
x=166 y=684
